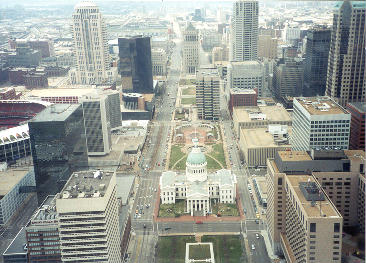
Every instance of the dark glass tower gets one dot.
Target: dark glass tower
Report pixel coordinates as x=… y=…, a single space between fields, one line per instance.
x=316 y=61
x=135 y=65
x=58 y=146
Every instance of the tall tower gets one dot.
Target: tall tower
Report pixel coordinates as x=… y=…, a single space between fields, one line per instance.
x=90 y=46
x=346 y=63
x=191 y=52
x=244 y=31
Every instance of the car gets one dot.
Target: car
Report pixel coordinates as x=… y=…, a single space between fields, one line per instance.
x=199 y=222
x=253 y=247
x=145 y=226
x=139 y=216
x=245 y=211
x=257 y=236
x=257 y=221
x=155 y=190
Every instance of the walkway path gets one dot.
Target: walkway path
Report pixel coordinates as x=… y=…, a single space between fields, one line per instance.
x=178 y=161
x=216 y=160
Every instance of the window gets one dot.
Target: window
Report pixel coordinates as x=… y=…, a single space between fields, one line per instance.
x=336 y=227
x=279 y=181
x=312 y=227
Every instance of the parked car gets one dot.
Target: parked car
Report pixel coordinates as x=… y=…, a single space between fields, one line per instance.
x=253 y=247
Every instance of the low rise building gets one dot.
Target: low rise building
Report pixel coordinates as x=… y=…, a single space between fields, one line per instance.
x=259 y=117
x=258 y=144
x=242 y=97
x=13 y=182
x=17 y=250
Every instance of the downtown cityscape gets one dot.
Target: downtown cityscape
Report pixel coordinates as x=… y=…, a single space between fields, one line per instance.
x=168 y=131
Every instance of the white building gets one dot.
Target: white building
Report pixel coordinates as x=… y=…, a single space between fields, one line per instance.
x=97 y=123
x=91 y=46
x=246 y=75
x=319 y=122
x=191 y=50
x=290 y=33
x=88 y=218
x=244 y=31
x=159 y=62
x=196 y=186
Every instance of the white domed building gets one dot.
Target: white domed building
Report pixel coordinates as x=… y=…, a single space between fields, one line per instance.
x=196 y=186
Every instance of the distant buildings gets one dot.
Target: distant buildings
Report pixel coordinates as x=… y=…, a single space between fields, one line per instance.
x=246 y=75
x=244 y=31
x=358 y=117
x=316 y=61
x=12 y=182
x=159 y=62
x=267 y=46
x=319 y=123
x=291 y=34
x=288 y=78
x=346 y=67
x=58 y=146
x=88 y=218
x=29 y=77
x=14 y=144
x=191 y=50
x=9 y=94
x=208 y=94
x=24 y=56
x=91 y=46
x=45 y=46
x=220 y=54
x=135 y=65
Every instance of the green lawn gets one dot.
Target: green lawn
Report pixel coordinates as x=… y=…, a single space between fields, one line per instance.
x=212 y=164
x=173 y=249
x=181 y=165
x=225 y=209
x=199 y=252
x=187 y=82
x=227 y=249
x=218 y=154
x=190 y=101
x=179 y=116
x=172 y=210
x=189 y=91
x=175 y=154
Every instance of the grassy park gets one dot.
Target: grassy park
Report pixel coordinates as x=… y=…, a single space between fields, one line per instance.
x=189 y=101
x=172 y=210
x=225 y=209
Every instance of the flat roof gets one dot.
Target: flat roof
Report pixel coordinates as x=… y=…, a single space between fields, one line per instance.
x=61 y=92
x=17 y=245
x=260 y=138
x=327 y=207
x=320 y=106
x=123 y=186
x=56 y=112
x=273 y=113
x=360 y=106
x=86 y=184
x=288 y=156
x=10 y=178
x=242 y=91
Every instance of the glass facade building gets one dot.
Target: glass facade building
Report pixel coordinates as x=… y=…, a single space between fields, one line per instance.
x=58 y=146
x=135 y=66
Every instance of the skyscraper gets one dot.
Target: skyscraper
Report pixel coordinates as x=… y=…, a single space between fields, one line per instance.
x=135 y=66
x=58 y=145
x=346 y=63
x=244 y=31
x=316 y=61
x=90 y=46
x=191 y=48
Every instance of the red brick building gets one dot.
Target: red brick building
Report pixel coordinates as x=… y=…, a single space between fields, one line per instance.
x=242 y=97
x=357 y=136
x=9 y=94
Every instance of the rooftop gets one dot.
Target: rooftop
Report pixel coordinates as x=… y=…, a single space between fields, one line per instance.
x=56 y=112
x=17 y=133
x=17 y=245
x=272 y=113
x=320 y=106
x=288 y=156
x=61 y=92
x=319 y=208
x=46 y=214
x=86 y=184
x=260 y=137
x=242 y=91
x=360 y=106
x=10 y=178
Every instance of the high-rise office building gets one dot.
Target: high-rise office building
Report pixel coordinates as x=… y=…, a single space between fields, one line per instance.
x=267 y=46
x=88 y=218
x=91 y=47
x=58 y=146
x=135 y=66
x=244 y=31
x=208 y=94
x=191 y=50
x=288 y=77
x=346 y=63
x=319 y=122
x=246 y=75
x=316 y=61
x=97 y=124
x=357 y=136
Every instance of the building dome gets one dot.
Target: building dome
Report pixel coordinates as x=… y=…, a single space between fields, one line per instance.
x=196 y=157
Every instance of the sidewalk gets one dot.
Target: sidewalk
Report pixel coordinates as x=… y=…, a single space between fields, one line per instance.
x=268 y=245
